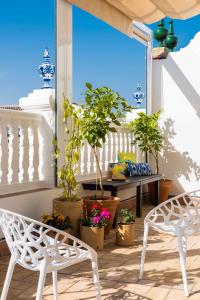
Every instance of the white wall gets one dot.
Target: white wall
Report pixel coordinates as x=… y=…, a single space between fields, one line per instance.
x=32 y=204
x=176 y=89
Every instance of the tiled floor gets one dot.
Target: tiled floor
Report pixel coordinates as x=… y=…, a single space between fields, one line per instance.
x=119 y=270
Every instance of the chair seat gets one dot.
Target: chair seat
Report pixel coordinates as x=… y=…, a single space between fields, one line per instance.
x=187 y=225
x=67 y=256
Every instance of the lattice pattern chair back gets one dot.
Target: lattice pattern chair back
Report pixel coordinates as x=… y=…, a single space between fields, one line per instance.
x=179 y=216
x=32 y=246
x=180 y=213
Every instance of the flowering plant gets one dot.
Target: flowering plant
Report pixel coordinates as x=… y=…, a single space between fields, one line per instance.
x=97 y=216
x=56 y=220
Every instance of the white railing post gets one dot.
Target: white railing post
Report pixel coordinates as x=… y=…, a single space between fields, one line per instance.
x=4 y=152
x=15 y=153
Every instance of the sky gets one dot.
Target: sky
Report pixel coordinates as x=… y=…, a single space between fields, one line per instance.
x=101 y=54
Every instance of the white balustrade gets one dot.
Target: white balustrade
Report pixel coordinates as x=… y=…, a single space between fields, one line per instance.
x=21 y=151
x=26 y=152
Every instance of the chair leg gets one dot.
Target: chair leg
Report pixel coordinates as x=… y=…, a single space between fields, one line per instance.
x=55 y=285
x=146 y=231
x=182 y=252
x=96 y=277
x=41 y=282
x=8 y=278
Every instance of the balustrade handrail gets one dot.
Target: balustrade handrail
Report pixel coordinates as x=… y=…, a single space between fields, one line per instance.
x=8 y=113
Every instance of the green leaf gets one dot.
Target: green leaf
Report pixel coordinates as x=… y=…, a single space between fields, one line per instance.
x=88 y=85
x=116 y=122
x=112 y=129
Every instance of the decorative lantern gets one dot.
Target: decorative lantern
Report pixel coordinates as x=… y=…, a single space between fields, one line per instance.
x=171 y=40
x=138 y=96
x=46 y=70
x=160 y=33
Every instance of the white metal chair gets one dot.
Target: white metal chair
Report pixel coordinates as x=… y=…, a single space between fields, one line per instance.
x=32 y=248
x=179 y=216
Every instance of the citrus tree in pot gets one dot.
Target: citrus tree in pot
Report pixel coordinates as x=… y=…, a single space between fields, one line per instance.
x=100 y=114
x=149 y=138
x=125 y=231
x=69 y=204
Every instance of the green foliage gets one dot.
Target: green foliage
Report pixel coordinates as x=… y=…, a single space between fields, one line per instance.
x=126 y=216
x=73 y=139
x=100 y=114
x=147 y=134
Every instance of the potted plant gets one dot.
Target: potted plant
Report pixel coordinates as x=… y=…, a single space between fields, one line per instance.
x=69 y=204
x=100 y=114
x=92 y=226
x=125 y=231
x=57 y=221
x=149 y=138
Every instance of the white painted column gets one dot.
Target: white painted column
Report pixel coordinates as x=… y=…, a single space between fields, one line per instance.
x=63 y=64
x=149 y=48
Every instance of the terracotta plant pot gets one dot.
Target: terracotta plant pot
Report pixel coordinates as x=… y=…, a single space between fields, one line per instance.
x=93 y=236
x=165 y=188
x=125 y=234
x=73 y=210
x=53 y=234
x=110 y=203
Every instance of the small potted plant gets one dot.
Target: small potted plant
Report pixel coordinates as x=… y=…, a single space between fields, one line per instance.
x=57 y=221
x=149 y=138
x=69 y=204
x=100 y=115
x=92 y=226
x=125 y=231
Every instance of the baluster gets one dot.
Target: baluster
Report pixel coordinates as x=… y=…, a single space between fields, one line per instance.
x=31 y=153
x=35 y=151
x=89 y=161
x=42 y=158
x=84 y=159
x=111 y=149
x=125 y=141
x=133 y=147
x=4 y=153
x=21 y=149
x=10 y=137
x=120 y=141
x=129 y=142
x=15 y=155
x=106 y=152
x=81 y=165
x=25 y=151
x=116 y=143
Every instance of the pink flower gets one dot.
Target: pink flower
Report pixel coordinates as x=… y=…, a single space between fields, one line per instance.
x=96 y=220
x=106 y=214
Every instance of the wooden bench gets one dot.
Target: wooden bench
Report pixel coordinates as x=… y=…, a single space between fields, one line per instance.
x=134 y=182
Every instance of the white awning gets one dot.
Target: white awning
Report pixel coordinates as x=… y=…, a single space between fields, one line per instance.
x=121 y=13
